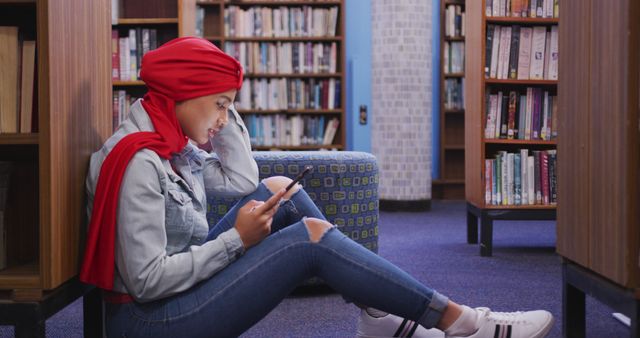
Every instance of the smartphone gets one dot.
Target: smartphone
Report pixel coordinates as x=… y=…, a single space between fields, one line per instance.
x=307 y=169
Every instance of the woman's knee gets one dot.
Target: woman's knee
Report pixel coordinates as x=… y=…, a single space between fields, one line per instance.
x=276 y=183
x=316 y=228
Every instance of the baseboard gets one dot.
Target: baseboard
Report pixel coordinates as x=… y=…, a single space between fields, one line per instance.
x=412 y=206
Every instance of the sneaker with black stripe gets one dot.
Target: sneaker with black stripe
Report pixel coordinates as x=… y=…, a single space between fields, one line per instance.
x=392 y=326
x=530 y=324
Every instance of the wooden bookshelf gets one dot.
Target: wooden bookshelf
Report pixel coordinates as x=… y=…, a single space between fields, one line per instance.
x=478 y=146
x=450 y=184
x=213 y=29
x=45 y=215
x=165 y=18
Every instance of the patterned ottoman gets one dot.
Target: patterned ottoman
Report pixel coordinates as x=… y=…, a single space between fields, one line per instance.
x=344 y=186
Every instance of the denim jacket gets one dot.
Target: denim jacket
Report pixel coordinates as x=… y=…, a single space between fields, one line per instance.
x=161 y=222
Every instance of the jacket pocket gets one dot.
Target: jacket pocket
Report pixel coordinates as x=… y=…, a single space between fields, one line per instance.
x=179 y=220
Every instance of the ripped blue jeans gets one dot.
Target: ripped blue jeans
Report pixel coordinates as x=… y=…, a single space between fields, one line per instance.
x=244 y=292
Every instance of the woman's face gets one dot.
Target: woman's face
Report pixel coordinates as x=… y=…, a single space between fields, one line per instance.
x=203 y=117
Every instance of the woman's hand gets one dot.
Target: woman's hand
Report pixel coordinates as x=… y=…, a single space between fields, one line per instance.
x=254 y=219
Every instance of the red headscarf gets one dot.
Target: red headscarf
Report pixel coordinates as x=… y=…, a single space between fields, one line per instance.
x=181 y=69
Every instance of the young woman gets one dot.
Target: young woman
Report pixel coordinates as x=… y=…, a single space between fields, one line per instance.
x=166 y=273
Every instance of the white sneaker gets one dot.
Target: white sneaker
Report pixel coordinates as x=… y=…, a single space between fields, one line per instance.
x=392 y=326
x=530 y=324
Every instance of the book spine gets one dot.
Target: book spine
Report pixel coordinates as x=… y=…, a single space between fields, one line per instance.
x=524 y=176
x=552 y=177
x=488 y=46
x=504 y=119
x=513 y=97
x=488 y=174
x=544 y=177
x=524 y=53
x=517 y=181
x=514 y=51
x=537 y=177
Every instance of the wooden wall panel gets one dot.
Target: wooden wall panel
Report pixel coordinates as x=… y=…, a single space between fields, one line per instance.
x=609 y=132
x=474 y=92
x=574 y=178
x=75 y=118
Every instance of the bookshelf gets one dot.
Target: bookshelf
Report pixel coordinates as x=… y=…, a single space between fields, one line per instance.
x=136 y=27
x=598 y=221
x=310 y=93
x=45 y=214
x=511 y=105
x=450 y=185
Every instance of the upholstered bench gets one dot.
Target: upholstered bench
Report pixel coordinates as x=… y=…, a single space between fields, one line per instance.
x=344 y=186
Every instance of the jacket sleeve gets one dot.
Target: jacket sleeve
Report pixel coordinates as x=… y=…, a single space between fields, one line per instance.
x=147 y=272
x=233 y=172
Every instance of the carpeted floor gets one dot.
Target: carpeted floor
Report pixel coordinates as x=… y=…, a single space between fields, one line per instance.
x=524 y=273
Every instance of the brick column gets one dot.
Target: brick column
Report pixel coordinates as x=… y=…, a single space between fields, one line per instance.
x=401 y=102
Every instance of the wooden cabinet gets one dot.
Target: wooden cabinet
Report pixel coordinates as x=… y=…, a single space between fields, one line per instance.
x=598 y=211
x=599 y=220
x=47 y=217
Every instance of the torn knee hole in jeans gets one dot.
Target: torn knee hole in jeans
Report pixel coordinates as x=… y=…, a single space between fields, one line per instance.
x=316 y=229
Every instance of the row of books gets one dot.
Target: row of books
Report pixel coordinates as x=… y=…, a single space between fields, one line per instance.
x=284 y=58
x=127 y=50
x=279 y=22
x=453 y=57
x=523 y=8
x=530 y=116
x=284 y=93
x=453 y=21
x=514 y=52
x=287 y=130
x=454 y=94
x=521 y=178
x=122 y=102
x=18 y=102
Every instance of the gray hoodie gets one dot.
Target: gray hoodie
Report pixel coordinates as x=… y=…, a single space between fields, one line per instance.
x=161 y=222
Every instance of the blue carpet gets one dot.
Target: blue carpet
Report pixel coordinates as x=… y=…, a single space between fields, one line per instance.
x=523 y=274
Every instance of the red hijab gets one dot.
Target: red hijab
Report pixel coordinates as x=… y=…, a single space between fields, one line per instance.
x=181 y=69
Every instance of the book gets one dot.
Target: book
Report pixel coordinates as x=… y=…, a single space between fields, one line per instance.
x=517 y=181
x=531 y=187
x=537 y=177
x=330 y=131
x=524 y=190
x=544 y=177
x=494 y=182
x=547 y=54
x=510 y=179
x=553 y=197
x=536 y=68
x=553 y=58
x=511 y=120
x=513 y=55
x=503 y=57
x=115 y=55
x=504 y=119
x=27 y=84
x=490 y=128
x=524 y=53
x=493 y=71
x=488 y=50
x=9 y=79
x=488 y=174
